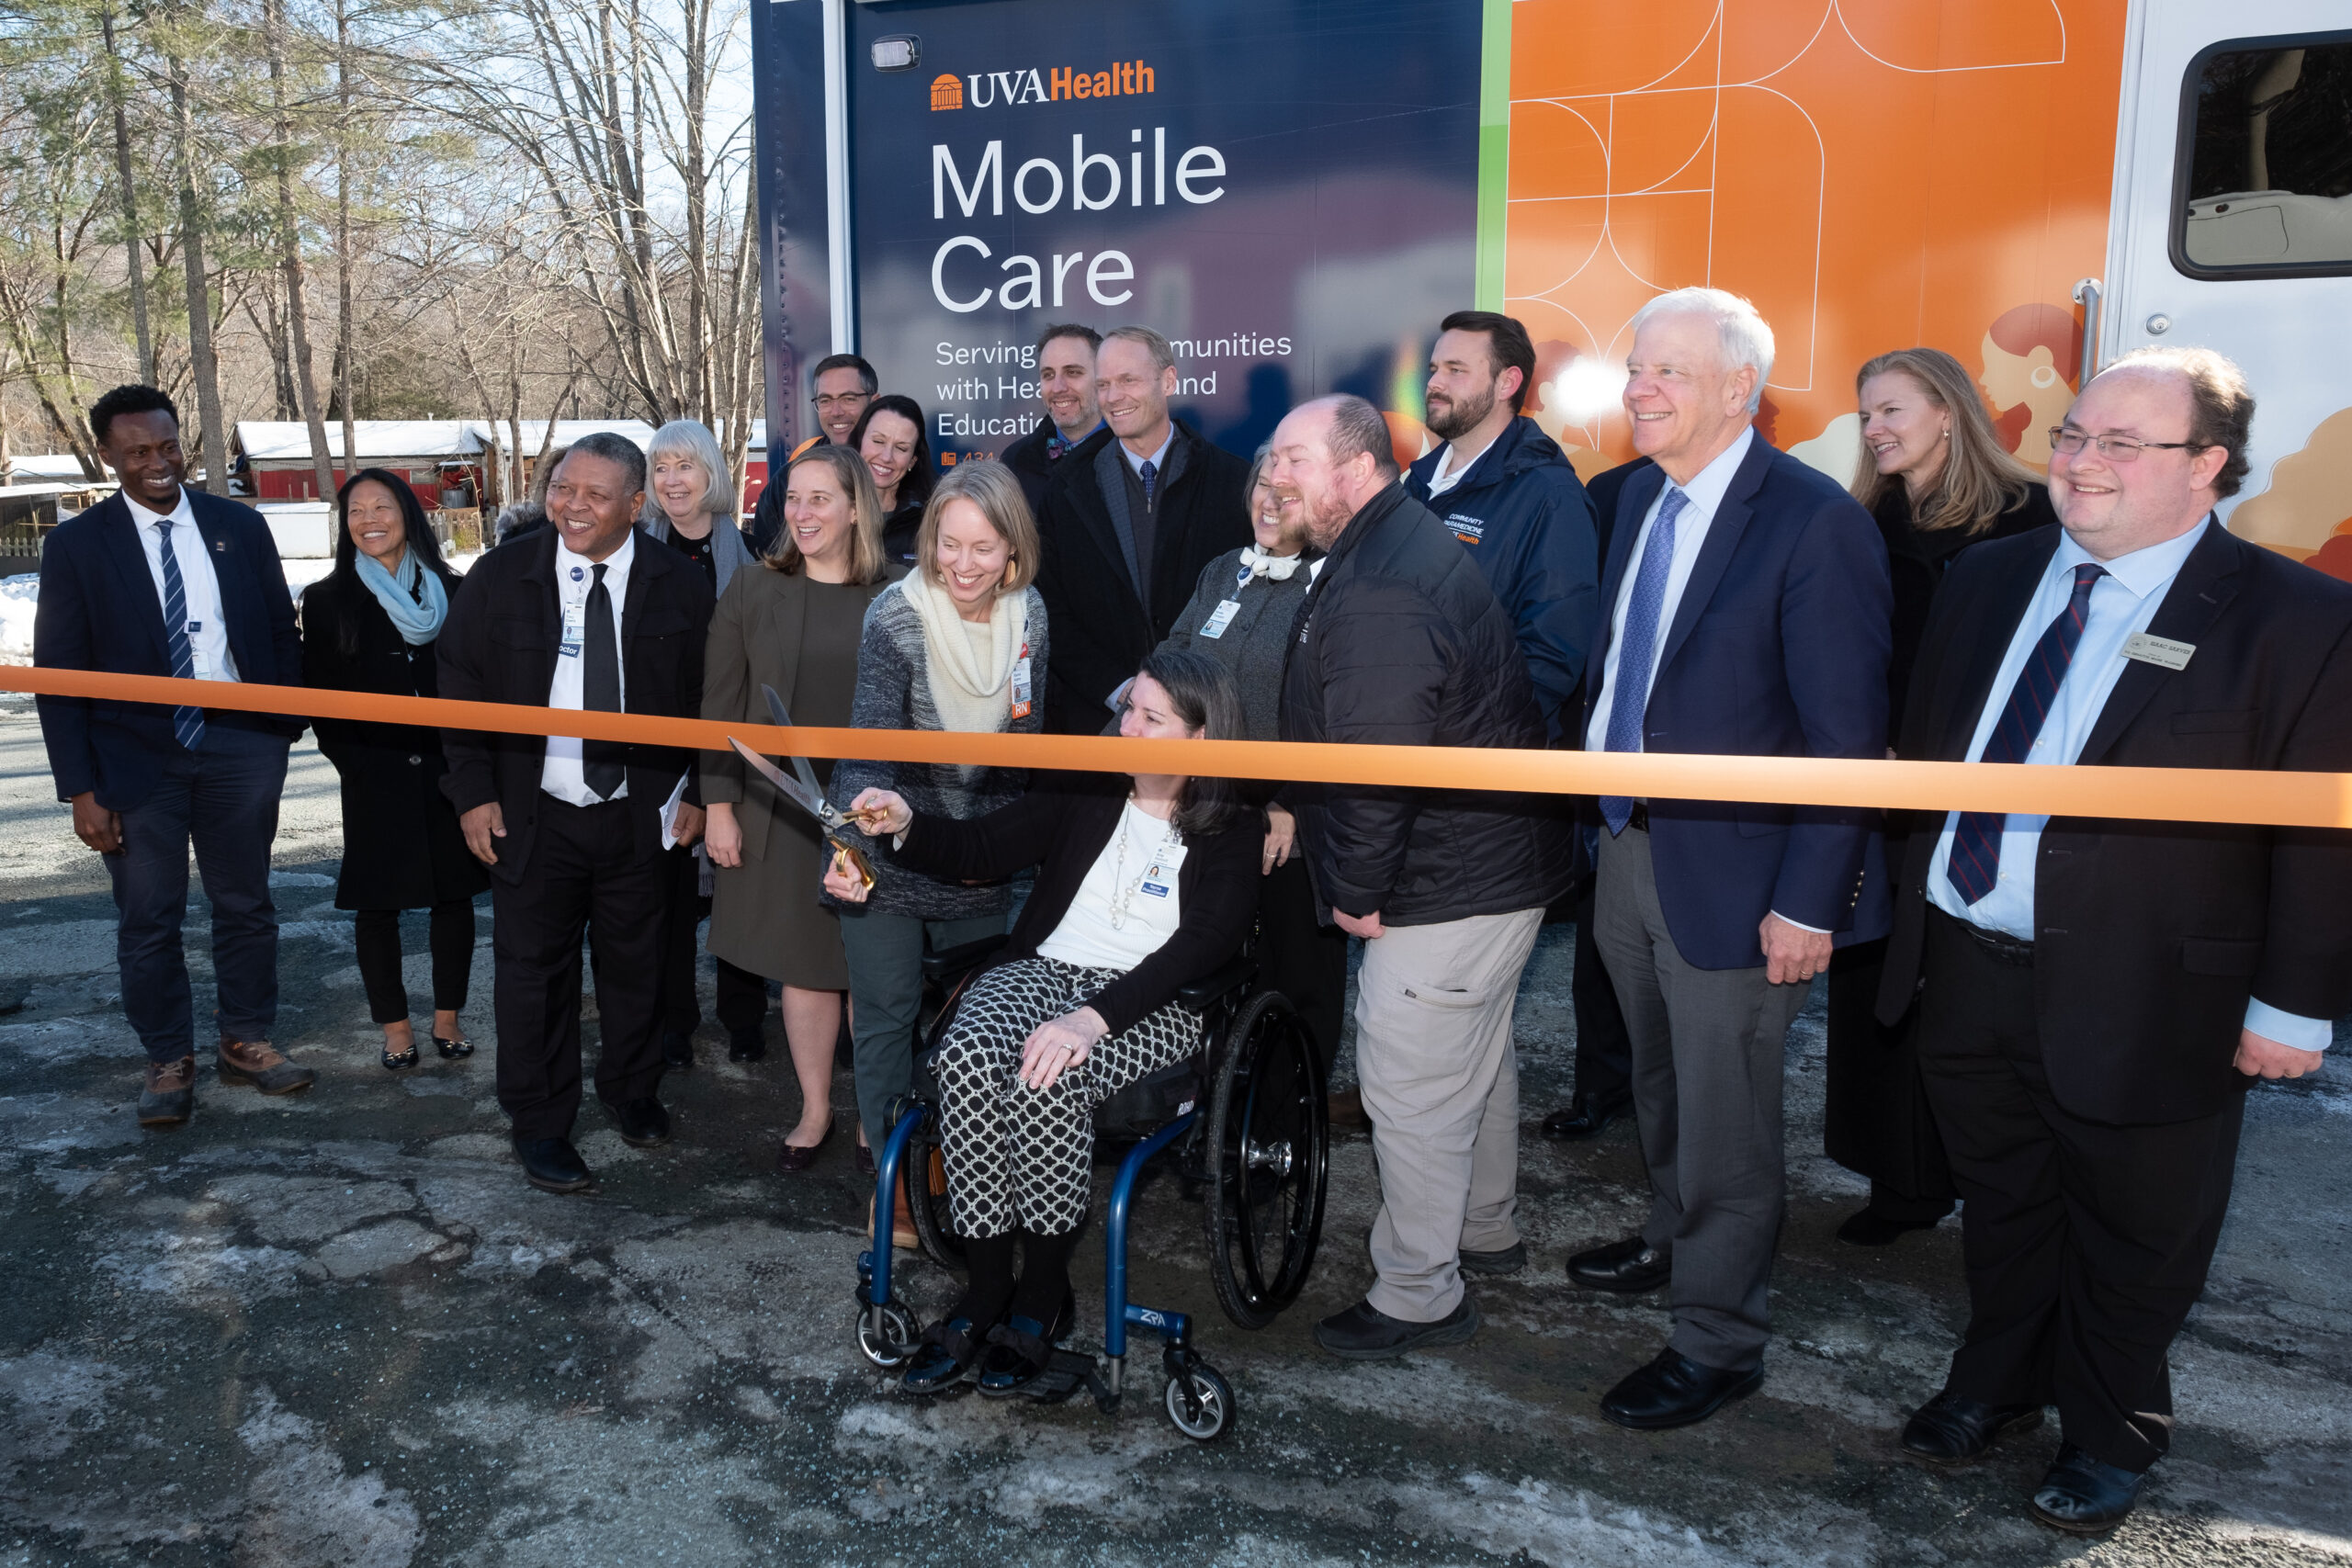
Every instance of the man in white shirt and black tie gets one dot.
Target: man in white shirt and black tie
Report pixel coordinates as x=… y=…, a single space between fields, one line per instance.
x=160 y=579
x=577 y=617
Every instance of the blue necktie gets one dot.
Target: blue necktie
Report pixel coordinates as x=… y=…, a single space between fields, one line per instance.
x=1148 y=473
x=1639 y=651
x=1976 y=843
x=186 y=723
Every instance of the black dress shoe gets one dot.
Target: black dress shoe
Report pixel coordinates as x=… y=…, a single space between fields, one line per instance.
x=947 y=1352
x=2083 y=1496
x=749 y=1046
x=643 y=1122
x=1871 y=1228
x=1584 y=1118
x=1629 y=1266
x=1948 y=1430
x=1675 y=1391
x=553 y=1164
x=1364 y=1333
x=678 y=1050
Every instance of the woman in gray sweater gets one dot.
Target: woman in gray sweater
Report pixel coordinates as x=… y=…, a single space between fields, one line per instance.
x=1243 y=614
x=958 y=644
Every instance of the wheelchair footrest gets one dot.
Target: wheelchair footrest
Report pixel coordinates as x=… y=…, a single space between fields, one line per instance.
x=1067 y=1372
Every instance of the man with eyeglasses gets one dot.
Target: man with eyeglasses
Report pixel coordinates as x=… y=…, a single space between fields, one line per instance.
x=2095 y=995
x=841 y=387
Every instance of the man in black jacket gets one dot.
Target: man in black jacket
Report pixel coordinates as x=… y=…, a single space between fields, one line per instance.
x=1139 y=509
x=1066 y=388
x=1401 y=643
x=577 y=617
x=161 y=580
x=2096 y=996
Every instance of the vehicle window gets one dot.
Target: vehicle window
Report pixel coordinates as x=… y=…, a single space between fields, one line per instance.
x=2267 y=150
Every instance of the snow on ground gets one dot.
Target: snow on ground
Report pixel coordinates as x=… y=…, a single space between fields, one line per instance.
x=19 y=593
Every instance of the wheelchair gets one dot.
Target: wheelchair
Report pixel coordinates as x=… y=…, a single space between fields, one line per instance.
x=1245 y=1119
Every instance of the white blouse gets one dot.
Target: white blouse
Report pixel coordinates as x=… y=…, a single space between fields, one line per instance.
x=1127 y=905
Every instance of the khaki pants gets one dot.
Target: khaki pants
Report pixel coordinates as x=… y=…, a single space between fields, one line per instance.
x=1441 y=1087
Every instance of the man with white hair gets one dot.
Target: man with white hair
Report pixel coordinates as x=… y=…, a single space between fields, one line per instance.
x=1401 y=642
x=1747 y=613
x=2095 y=997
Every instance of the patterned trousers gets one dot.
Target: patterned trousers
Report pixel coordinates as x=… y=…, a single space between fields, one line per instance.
x=1024 y=1157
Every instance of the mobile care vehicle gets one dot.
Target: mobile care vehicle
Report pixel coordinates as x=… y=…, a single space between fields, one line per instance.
x=1295 y=191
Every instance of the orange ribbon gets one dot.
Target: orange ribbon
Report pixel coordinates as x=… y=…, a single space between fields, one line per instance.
x=2163 y=795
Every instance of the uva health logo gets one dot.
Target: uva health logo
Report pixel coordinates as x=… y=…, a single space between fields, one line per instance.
x=989 y=88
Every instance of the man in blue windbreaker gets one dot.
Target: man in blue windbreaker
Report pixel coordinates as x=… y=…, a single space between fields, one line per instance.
x=1507 y=491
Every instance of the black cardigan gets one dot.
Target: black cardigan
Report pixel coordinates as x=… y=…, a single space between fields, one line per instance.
x=1061 y=828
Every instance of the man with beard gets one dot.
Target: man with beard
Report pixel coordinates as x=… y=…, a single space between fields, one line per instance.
x=1507 y=491
x=1065 y=387
x=1402 y=643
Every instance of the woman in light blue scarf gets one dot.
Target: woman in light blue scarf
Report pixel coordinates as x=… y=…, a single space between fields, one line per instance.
x=369 y=625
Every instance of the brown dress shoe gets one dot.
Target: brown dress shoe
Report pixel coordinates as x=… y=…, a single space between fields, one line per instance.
x=1344 y=1108
x=170 y=1093
x=256 y=1062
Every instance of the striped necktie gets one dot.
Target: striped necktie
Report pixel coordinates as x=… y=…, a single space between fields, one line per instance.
x=187 y=724
x=1976 y=843
x=1631 y=699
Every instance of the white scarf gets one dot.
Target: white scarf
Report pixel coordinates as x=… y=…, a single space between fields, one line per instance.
x=1279 y=567
x=969 y=699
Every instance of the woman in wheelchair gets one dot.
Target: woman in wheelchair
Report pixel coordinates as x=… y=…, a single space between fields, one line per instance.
x=1145 y=883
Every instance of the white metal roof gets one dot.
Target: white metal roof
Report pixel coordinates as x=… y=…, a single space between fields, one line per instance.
x=288 y=441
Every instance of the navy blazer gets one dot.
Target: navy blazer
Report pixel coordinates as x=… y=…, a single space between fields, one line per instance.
x=1778 y=649
x=100 y=610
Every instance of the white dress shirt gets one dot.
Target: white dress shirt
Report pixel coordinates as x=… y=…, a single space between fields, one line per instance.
x=1703 y=494
x=208 y=629
x=2122 y=604
x=561 y=774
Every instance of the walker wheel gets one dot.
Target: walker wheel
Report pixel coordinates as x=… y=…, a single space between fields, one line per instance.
x=1200 y=1402
x=894 y=1345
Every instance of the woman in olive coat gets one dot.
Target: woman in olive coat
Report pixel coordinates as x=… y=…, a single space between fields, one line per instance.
x=792 y=623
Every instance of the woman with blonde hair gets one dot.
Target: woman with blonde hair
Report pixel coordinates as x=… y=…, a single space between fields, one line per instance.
x=794 y=624
x=958 y=644
x=1934 y=475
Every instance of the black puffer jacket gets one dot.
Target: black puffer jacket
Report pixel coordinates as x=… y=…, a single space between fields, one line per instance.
x=1402 y=643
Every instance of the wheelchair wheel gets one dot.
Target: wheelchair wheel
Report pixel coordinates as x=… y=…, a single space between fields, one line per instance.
x=925 y=1172
x=1200 y=1402
x=1267 y=1155
x=895 y=1345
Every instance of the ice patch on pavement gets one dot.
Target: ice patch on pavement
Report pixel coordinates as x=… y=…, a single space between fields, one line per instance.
x=307 y=1510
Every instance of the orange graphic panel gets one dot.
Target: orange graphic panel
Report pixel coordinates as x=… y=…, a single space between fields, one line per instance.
x=1873 y=173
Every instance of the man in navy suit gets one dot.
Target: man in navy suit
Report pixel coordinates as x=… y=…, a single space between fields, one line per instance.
x=160 y=579
x=1745 y=610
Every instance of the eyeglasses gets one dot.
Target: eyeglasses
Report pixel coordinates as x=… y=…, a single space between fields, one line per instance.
x=2114 y=448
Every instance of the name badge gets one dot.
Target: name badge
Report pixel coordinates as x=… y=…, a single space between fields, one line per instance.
x=201 y=667
x=575 y=630
x=1021 y=694
x=2160 y=651
x=1220 y=618
x=1160 y=877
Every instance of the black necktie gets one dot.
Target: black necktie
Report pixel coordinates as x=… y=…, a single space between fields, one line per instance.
x=600 y=690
